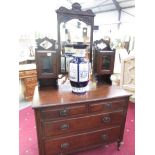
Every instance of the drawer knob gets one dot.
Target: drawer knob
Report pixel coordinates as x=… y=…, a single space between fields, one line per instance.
x=104 y=136
x=64 y=145
x=108 y=105
x=106 y=119
x=64 y=126
x=64 y=112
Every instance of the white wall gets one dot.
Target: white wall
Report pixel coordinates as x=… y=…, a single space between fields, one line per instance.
x=128 y=22
x=108 y=24
x=40 y=16
x=37 y=19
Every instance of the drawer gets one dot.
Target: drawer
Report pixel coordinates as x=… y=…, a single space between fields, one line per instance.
x=30 y=80
x=30 y=86
x=79 y=141
x=107 y=106
x=29 y=92
x=21 y=74
x=29 y=89
x=30 y=72
x=54 y=128
x=63 y=111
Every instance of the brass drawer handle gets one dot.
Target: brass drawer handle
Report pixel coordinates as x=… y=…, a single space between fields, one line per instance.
x=106 y=119
x=64 y=126
x=108 y=105
x=104 y=137
x=65 y=145
x=64 y=112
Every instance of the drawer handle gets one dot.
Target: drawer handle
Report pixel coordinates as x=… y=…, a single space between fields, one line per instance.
x=64 y=112
x=104 y=137
x=108 y=105
x=64 y=126
x=106 y=119
x=64 y=145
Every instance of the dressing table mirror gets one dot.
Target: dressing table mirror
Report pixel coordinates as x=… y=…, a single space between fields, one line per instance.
x=75 y=29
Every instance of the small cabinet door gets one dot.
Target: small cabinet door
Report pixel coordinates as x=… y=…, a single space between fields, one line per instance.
x=46 y=64
x=105 y=63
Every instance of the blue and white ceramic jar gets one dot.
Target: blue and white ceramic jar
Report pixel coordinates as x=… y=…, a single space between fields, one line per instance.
x=79 y=74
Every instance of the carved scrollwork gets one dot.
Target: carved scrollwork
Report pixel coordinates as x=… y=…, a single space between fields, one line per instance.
x=127 y=80
x=65 y=14
x=76 y=6
x=130 y=70
x=46 y=44
x=63 y=18
x=101 y=45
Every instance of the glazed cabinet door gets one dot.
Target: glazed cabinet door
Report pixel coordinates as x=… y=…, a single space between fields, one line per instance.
x=105 y=62
x=46 y=64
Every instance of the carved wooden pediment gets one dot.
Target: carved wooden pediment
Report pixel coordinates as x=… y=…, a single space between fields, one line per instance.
x=65 y=14
x=102 y=45
x=76 y=9
x=46 y=44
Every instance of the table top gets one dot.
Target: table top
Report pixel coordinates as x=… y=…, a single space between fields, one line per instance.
x=50 y=96
x=27 y=67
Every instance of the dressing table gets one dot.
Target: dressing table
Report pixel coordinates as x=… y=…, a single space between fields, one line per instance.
x=67 y=123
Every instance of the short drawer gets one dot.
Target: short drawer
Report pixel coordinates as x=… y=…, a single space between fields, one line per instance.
x=107 y=106
x=79 y=141
x=54 y=128
x=21 y=74
x=63 y=111
x=29 y=92
x=30 y=80
x=30 y=72
x=29 y=89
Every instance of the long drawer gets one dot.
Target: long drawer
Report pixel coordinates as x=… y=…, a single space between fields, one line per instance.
x=54 y=128
x=79 y=141
x=27 y=73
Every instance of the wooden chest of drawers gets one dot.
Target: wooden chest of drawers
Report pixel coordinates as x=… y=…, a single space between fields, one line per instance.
x=68 y=123
x=28 y=75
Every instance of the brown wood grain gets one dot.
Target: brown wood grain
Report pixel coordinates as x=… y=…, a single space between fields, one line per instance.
x=68 y=123
x=62 y=95
x=79 y=141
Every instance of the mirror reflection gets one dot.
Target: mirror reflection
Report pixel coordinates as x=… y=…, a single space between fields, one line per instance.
x=74 y=38
x=47 y=65
x=106 y=62
x=75 y=31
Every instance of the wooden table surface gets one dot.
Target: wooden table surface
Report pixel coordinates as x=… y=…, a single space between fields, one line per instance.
x=63 y=95
x=27 y=67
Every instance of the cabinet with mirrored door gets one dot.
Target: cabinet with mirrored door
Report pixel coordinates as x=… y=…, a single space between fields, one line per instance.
x=104 y=58
x=46 y=62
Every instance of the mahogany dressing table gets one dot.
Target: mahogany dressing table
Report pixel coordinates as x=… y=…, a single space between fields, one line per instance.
x=67 y=123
